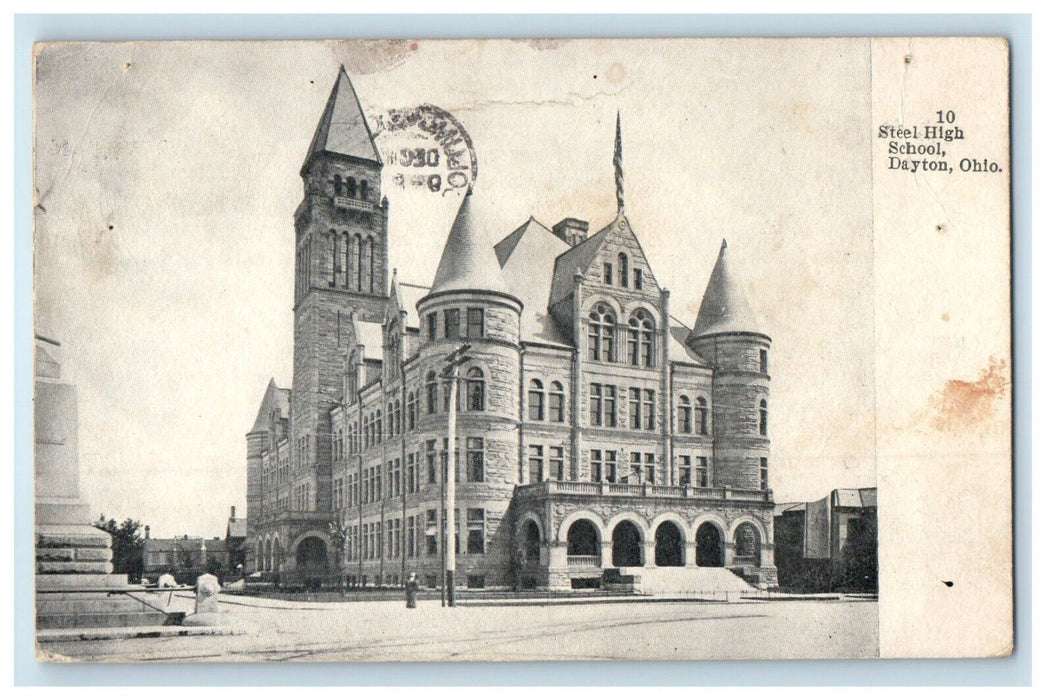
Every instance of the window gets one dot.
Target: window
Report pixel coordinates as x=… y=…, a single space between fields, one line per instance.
x=685 y=470
x=391 y=420
x=476 y=390
x=623 y=269
x=338 y=186
x=555 y=402
x=411 y=536
x=475 y=323
x=397 y=418
x=608 y=405
x=433 y=325
x=476 y=460
x=411 y=411
x=397 y=478
x=476 y=530
x=555 y=464
x=610 y=466
x=596 y=465
x=536 y=400
x=429 y=456
x=763 y=361
x=535 y=464
x=608 y=273
x=595 y=404
x=432 y=393
x=641 y=339
x=649 y=467
x=431 y=534
x=451 y=319
x=634 y=408
x=411 y=473
x=637 y=278
x=763 y=417
x=702 y=472
x=363 y=190
x=764 y=473
x=456 y=457
x=601 y=333
x=636 y=465
x=648 y=409
x=701 y=416
x=683 y=415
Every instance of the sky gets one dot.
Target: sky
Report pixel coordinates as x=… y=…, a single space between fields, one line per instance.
x=167 y=174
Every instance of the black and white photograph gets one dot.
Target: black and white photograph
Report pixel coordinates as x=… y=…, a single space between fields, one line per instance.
x=522 y=350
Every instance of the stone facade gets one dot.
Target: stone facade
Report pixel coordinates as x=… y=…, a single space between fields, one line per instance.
x=594 y=431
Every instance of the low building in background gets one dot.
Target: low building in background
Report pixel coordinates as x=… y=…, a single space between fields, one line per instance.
x=186 y=557
x=829 y=544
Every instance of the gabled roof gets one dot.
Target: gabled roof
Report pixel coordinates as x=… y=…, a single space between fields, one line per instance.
x=579 y=258
x=407 y=296
x=237 y=527
x=678 y=349
x=468 y=260
x=527 y=257
x=724 y=307
x=855 y=498
x=273 y=397
x=370 y=336
x=343 y=129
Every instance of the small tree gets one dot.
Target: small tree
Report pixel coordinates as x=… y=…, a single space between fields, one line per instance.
x=127 y=545
x=338 y=540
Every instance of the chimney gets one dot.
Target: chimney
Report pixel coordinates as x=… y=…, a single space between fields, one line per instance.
x=572 y=231
x=147 y=532
x=232 y=511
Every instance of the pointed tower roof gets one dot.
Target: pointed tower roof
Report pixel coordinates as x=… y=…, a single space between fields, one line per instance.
x=343 y=129
x=273 y=397
x=724 y=308
x=468 y=260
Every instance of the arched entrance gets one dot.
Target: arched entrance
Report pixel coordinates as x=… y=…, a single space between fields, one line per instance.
x=668 y=545
x=312 y=564
x=709 y=546
x=628 y=545
x=530 y=542
x=747 y=545
x=583 y=544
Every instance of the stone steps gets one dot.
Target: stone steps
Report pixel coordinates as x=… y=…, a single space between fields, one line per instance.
x=72 y=620
x=96 y=580
x=53 y=604
x=686 y=580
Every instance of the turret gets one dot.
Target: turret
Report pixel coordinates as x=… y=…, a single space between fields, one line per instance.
x=728 y=338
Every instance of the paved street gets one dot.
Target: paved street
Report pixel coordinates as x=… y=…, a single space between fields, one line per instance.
x=387 y=631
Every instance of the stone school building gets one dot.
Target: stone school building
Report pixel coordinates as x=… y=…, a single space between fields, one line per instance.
x=598 y=438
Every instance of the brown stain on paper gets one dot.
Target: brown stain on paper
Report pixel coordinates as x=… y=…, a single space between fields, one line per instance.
x=963 y=404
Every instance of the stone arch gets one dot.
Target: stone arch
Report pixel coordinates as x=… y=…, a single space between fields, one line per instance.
x=309 y=533
x=617 y=518
x=570 y=518
x=627 y=542
x=762 y=529
x=529 y=536
x=710 y=541
x=598 y=298
x=583 y=539
x=669 y=544
x=747 y=538
x=672 y=516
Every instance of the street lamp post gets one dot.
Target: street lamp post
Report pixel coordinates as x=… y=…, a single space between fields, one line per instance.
x=454 y=361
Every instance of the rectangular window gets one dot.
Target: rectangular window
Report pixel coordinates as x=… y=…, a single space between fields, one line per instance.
x=433 y=325
x=634 y=408
x=535 y=464
x=648 y=409
x=411 y=536
x=430 y=458
x=452 y=323
x=536 y=403
x=610 y=466
x=411 y=473
x=608 y=273
x=456 y=458
x=397 y=474
x=649 y=467
x=396 y=539
x=476 y=530
x=431 y=533
x=476 y=460
x=764 y=473
x=475 y=323
x=685 y=470
x=636 y=465
x=596 y=465
x=702 y=472
x=608 y=405
x=555 y=464
x=763 y=361
x=637 y=278
x=595 y=404
x=555 y=406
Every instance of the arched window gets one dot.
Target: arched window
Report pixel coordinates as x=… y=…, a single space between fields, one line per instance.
x=763 y=417
x=397 y=420
x=536 y=400
x=345 y=242
x=623 y=269
x=432 y=393
x=641 y=339
x=363 y=190
x=556 y=399
x=335 y=269
x=701 y=416
x=683 y=415
x=350 y=184
x=354 y=263
x=391 y=422
x=411 y=411
x=338 y=186
x=601 y=333
x=367 y=265
x=378 y=425
x=476 y=390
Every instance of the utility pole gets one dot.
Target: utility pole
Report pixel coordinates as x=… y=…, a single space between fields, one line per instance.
x=452 y=371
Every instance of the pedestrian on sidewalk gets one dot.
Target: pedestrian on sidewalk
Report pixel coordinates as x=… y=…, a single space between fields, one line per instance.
x=411 y=590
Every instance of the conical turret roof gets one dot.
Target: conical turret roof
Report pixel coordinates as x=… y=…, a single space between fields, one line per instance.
x=343 y=129
x=724 y=308
x=468 y=260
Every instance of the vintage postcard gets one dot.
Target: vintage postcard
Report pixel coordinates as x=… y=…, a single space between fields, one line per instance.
x=522 y=350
